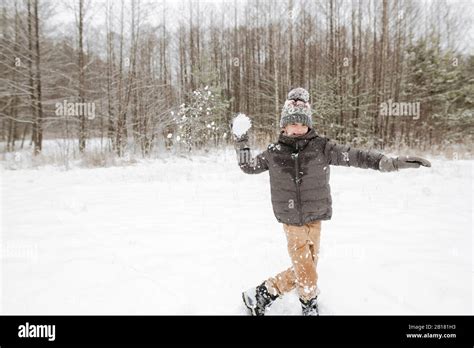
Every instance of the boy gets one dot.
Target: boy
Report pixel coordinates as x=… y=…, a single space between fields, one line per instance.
x=298 y=164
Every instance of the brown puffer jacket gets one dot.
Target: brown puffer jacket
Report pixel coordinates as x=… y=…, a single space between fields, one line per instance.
x=299 y=173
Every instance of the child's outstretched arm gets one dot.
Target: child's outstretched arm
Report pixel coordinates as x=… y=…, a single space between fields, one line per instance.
x=248 y=164
x=345 y=155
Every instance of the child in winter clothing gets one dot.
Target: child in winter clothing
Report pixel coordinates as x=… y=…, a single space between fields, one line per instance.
x=298 y=164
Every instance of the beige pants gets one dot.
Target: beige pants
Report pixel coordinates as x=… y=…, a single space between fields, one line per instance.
x=303 y=247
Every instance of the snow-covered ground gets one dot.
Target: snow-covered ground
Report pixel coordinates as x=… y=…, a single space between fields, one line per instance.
x=180 y=236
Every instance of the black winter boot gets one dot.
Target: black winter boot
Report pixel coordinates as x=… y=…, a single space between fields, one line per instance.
x=258 y=299
x=310 y=307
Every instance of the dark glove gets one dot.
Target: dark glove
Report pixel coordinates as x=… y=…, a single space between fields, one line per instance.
x=241 y=139
x=241 y=145
x=241 y=142
x=387 y=164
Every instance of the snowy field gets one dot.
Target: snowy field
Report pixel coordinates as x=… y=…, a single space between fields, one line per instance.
x=181 y=236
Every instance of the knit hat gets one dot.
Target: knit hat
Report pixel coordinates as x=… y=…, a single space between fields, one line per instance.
x=297 y=108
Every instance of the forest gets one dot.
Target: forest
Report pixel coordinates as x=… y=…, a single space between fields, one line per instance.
x=141 y=77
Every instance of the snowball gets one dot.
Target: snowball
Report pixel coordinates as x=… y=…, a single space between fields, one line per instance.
x=169 y=135
x=241 y=124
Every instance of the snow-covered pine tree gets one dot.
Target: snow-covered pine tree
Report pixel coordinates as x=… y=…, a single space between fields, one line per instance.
x=202 y=121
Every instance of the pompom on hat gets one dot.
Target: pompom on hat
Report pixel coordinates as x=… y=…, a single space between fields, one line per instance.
x=297 y=108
